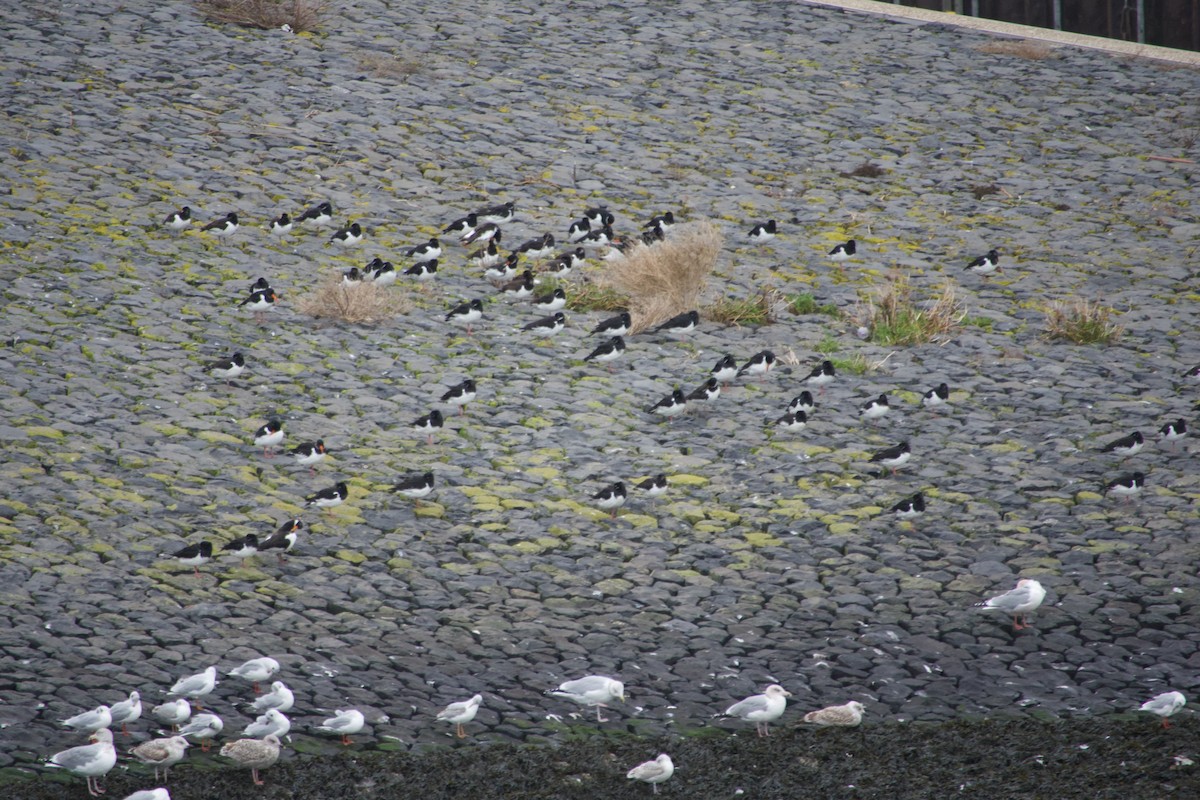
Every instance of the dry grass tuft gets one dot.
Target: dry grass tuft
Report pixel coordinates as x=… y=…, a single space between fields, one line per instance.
x=357 y=303
x=667 y=278
x=382 y=65
x=299 y=15
x=865 y=170
x=893 y=318
x=1082 y=322
x=757 y=310
x=1021 y=48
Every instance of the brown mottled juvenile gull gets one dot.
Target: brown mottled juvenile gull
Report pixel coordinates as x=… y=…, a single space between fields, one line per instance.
x=846 y=716
x=161 y=753
x=253 y=753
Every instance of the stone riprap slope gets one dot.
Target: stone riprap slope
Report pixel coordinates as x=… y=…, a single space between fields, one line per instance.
x=772 y=558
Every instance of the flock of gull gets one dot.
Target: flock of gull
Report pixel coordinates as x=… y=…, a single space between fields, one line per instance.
x=262 y=740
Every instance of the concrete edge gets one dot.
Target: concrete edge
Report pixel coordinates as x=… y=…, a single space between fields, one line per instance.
x=1115 y=46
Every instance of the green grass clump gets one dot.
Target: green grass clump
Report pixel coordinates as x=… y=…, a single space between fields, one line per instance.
x=854 y=365
x=1082 y=322
x=894 y=318
x=805 y=303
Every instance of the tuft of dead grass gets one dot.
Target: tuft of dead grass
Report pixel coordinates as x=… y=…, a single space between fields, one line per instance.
x=382 y=65
x=1082 y=322
x=668 y=277
x=1020 y=48
x=892 y=317
x=299 y=15
x=356 y=303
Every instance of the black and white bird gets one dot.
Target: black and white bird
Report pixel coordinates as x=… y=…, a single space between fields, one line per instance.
x=874 y=408
x=844 y=251
x=802 y=402
x=466 y=314
x=1173 y=432
x=460 y=394
x=893 y=457
x=178 y=220
x=680 y=323
x=227 y=368
x=318 y=216
x=422 y=270
x=1193 y=373
x=597 y=238
x=223 y=226
x=792 y=421
x=664 y=222
x=415 y=487
x=329 y=497
x=1126 y=486
x=547 y=326
x=425 y=252
x=483 y=232
x=194 y=555
x=520 y=287
x=242 y=547
x=551 y=301
x=936 y=397
x=822 y=375
x=497 y=267
x=534 y=249
x=260 y=302
x=429 y=424
x=283 y=539
x=670 y=406
x=608 y=352
x=349 y=236
x=655 y=486
x=578 y=230
x=611 y=497
x=310 y=454
x=268 y=436
x=910 y=507
x=705 y=394
x=986 y=264
x=281 y=225
x=599 y=216
x=497 y=214
x=1126 y=446
x=725 y=370
x=461 y=226
x=758 y=365
x=353 y=276
x=614 y=326
x=384 y=274
x=763 y=233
